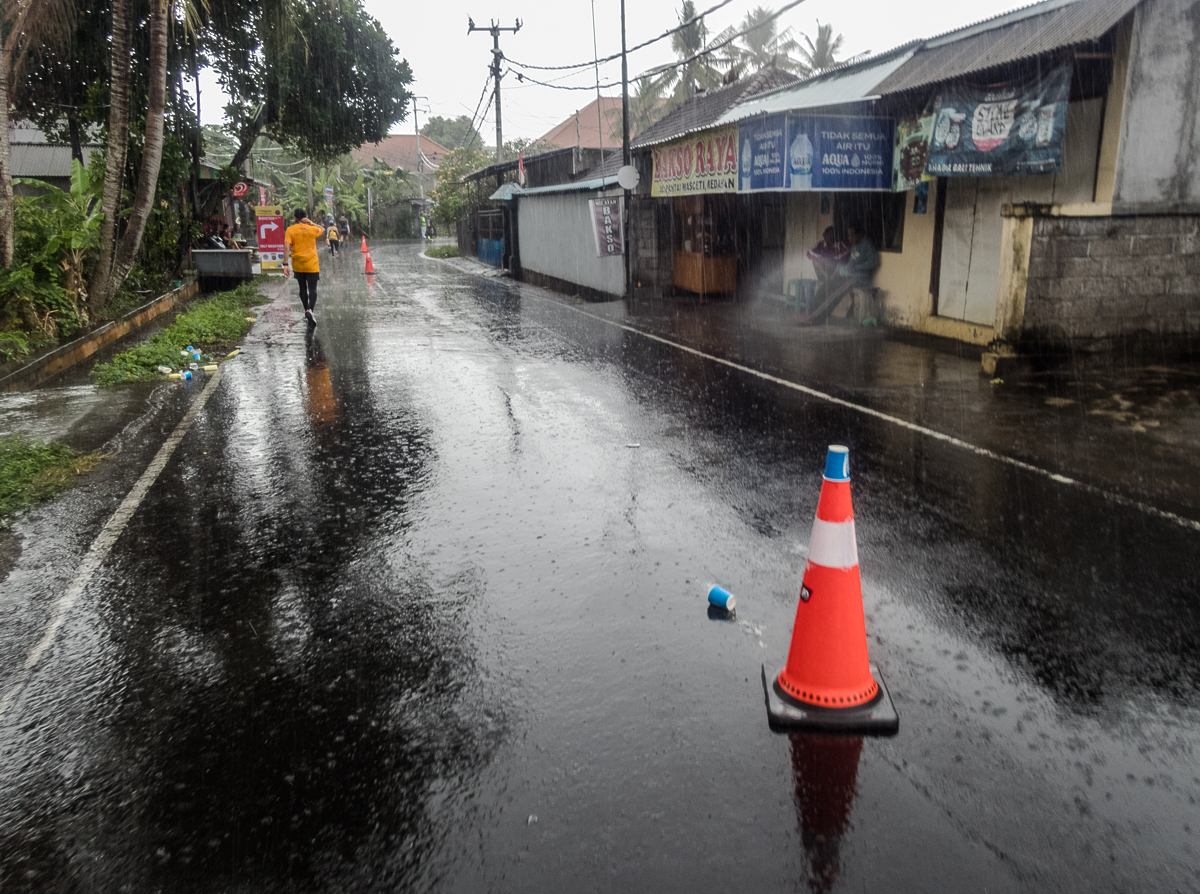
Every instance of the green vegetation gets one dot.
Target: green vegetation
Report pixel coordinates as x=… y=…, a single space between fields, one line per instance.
x=214 y=325
x=443 y=251
x=33 y=470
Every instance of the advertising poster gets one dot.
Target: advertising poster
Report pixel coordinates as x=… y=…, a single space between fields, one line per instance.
x=828 y=153
x=606 y=213
x=1013 y=127
x=764 y=145
x=911 y=150
x=268 y=223
x=706 y=163
x=817 y=154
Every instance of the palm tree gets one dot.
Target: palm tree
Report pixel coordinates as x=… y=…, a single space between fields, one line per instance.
x=117 y=258
x=822 y=54
x=762 y=44
x=646 y=106
x=697 y=74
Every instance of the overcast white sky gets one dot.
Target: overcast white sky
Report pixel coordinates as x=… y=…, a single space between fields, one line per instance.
x=450 y=67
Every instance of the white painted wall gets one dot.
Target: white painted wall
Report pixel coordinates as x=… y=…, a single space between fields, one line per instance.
x=971 y=238
x=556 y=237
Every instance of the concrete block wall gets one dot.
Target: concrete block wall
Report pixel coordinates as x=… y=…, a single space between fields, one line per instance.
x=1105 y=278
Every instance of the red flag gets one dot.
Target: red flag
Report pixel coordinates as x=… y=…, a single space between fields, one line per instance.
x=521 y=167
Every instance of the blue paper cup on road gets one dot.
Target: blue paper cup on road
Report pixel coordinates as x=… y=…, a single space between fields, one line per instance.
x=721 y=598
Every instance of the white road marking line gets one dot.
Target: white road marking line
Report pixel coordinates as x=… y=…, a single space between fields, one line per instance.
x=1118 y=499
x=104 y=542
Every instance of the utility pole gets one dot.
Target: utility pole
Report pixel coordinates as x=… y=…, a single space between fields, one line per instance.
x=626 y=158
x=495 y=30
x=308 y=180
x=420 y=159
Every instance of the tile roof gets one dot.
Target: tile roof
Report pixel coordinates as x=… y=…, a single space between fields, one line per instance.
x=587 y=133
x=399 y=150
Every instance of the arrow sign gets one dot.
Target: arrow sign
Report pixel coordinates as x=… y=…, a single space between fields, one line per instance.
x=269 y=219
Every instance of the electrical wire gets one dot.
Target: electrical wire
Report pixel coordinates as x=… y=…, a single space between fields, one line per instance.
x=647 y=43
x=476 y=133
x=657 y=71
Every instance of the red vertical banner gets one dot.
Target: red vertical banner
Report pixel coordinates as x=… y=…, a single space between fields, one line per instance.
x=268 y=223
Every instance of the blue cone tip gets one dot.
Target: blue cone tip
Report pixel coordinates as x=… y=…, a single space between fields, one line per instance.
x=837 y=463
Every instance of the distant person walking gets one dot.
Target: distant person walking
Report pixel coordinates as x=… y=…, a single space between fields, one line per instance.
x=300 y=246
x=334 y=239
x=344 y=226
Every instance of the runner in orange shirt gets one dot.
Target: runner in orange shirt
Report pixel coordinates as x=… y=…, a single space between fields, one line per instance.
x=300 y=247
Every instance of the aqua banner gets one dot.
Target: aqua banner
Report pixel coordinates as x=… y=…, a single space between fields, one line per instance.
x=816 y=153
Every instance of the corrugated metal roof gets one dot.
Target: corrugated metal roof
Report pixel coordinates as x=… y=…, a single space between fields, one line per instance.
x=40 y=160
x=577 y=186
x=852 y=86
x=1020 y=34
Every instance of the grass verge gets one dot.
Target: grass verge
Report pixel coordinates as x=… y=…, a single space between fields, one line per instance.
x=33 y=470
x=443 y=251
x=216 y=324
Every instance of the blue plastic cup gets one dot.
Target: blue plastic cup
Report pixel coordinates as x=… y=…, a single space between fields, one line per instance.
x=721 y=598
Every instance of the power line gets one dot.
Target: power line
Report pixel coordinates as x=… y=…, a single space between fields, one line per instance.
x=482 y=94
x=475 y=134
x=615 y=56
x=657 y=71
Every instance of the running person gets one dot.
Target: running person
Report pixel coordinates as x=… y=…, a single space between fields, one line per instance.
x=300 y=245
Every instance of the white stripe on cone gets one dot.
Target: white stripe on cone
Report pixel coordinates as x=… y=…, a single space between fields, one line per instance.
x=833 y=544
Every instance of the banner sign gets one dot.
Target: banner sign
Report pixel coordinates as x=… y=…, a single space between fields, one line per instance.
x=912 y=148
x=763 y=148
x=816 y=153
x=706 y=163
x=606 y=213
x=1013 y=127
x=329 y=197
x=268 y=225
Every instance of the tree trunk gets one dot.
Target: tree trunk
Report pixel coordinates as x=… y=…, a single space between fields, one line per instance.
x=100 y=288
x=6 y=191
x=156 y=108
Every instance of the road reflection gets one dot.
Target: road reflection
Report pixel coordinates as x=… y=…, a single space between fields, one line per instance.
x=825 y=770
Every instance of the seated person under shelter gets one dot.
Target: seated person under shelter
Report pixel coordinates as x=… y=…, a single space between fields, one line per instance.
x=827 y=254
x=855 y=275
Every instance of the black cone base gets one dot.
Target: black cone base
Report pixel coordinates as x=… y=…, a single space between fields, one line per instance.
x=878 y=717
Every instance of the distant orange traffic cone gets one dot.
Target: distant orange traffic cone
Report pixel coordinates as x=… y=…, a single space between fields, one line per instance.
x=364 y=248
x=828 y=682
x=370 y=267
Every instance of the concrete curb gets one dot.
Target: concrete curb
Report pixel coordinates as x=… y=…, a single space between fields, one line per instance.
x=62 y=358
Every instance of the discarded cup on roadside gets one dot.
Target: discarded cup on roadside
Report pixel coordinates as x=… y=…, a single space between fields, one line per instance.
x=186 y=374
x=165 y=370
x=721 y=598
x=193 y=366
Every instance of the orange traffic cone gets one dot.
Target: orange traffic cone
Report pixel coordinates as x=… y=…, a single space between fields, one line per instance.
x=828 y=682
x=370 y=267
x=364 y=248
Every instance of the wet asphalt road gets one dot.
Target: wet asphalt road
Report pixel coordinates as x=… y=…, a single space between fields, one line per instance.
x=406 y=610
